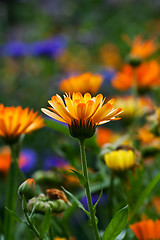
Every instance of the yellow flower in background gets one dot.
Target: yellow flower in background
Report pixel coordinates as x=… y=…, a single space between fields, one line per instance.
x=134 y=107
x=86 y=82
x=146 y=229
x=15 y=121
x=82 y=114
x=143 y=48
x=120 y=160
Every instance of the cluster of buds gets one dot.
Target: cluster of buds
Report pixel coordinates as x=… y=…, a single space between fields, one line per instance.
x=55 y=200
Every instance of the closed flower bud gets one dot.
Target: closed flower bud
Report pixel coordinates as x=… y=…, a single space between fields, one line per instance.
x=120 y=160
x=27 y=189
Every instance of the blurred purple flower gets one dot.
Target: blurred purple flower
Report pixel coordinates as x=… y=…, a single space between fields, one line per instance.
x=54 y=162
x=28 y=159
x=14 y=49
x=95 y=196
x=108 y=74
x=52 y=47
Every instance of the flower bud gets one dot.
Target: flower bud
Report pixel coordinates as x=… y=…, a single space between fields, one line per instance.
x=27 y=189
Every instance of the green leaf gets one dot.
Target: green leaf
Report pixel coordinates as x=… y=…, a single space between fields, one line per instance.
x=14 y=215
x=81 y=178
x=95 y=205
x=79 y=204
x=56 y=126
x=46 y=223
x=144 y=195
x=116 y=225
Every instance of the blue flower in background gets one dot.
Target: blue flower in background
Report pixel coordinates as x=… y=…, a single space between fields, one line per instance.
x=54 y=162
x=95 y=196
x=52 y=47
x=27 y=160
x=108 y=74
x=14 y=49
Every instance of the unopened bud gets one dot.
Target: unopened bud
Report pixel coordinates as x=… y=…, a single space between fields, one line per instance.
x=27 y=189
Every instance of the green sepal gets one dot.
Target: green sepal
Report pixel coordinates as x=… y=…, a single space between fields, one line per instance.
x=46 y=223
x=81 y=178
x=79 y=204
x=144 y=195
x=116 y=225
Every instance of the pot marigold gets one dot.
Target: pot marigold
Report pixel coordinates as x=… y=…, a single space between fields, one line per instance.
x=146 y=76
x=86 y=82
x=15 y=121
x=146 y=229
x=143 y=48
x=82 y=114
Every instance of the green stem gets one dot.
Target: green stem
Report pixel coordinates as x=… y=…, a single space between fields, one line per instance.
x=32 y=227
x=111 y=195
x=11 y=195
x=87 y=188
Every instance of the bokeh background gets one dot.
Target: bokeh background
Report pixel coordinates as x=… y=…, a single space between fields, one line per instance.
x=43 y=42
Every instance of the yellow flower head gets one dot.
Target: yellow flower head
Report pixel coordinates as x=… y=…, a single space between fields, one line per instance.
x=15 y=121
x=82 y=114
x=120 y=160
x=83 y=83
x=146 y=229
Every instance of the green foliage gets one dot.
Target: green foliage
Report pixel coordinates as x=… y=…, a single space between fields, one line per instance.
x=116 y=225
x=144 y=195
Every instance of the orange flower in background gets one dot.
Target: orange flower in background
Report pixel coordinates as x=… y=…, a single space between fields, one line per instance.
x=110 y=55
x=146 y=229
x=147 y=75
x=104 y=135
x=15 y=121
x=143 y=48
x=86 y=82
x=5 y=160
x=156 y=204
x=148 y=138
x=82 y=114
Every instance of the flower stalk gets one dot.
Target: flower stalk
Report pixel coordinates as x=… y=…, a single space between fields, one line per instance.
x=11 y=195
x=88 y=191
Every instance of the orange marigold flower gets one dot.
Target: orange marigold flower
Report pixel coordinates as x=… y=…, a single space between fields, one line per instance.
x=148 y=138
x=146 y=229
x=146 y=75
x=82 y=114
x=15 y=121
x=5 y=160
x=86 y=82
x=104 y=135
x=143 y=48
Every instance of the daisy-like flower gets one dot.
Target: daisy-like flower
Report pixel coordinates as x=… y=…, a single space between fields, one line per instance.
x=147 y=76
x=86 y=82
x=146 y=229
x=82 y=114
x=15 y=121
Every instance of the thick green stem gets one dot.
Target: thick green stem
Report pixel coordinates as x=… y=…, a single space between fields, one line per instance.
x=11 y=195
x=87 y=188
